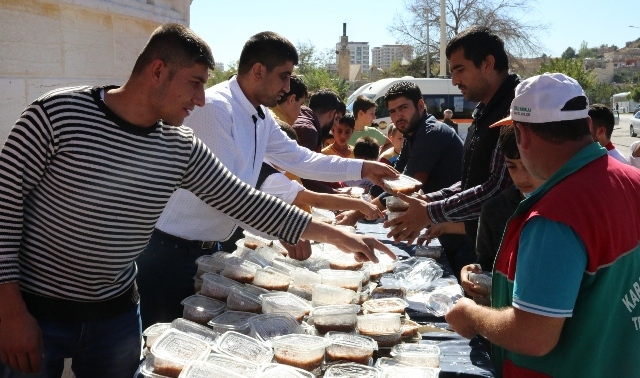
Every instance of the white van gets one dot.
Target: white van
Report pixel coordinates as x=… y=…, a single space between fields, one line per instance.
x=438 y=95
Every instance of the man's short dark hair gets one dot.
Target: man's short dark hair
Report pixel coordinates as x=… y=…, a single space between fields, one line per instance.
x=177 y=46
x=323 y=101
x=602 y=116
x=478 y=42
x=564 y=131
x=348 y=120
x=404 y=89
x=507 y=142
x=268 y=48
x=288 y=129
x=366 y=148
x=342 y=108
x=362 y=103
x=297 y=88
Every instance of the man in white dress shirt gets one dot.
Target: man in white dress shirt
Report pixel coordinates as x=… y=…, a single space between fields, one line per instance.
x=241 y=132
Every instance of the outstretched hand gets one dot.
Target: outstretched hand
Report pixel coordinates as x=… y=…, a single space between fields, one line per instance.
x=376 y=171
x=409 y=225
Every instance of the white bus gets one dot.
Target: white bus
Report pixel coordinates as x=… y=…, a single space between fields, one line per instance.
x=438 y=95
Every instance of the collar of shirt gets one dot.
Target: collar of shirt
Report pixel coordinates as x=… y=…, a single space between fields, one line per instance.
x=609 y=146
x=240 y=97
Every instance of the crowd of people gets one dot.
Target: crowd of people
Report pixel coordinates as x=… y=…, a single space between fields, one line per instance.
x=111 y=193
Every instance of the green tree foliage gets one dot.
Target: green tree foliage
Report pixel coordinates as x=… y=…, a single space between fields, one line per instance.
x=569 y=53
x=601 y=93
x=635 y=93
x=217 y=76
x=312 y=66
x=569 y=67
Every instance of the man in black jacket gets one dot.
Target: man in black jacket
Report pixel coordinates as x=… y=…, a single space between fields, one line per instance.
x=479 y=67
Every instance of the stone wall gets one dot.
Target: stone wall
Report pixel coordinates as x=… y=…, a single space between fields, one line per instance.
x=45 y=44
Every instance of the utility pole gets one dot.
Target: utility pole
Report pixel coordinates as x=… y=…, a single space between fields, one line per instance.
x=428 y=70
x=443 y=40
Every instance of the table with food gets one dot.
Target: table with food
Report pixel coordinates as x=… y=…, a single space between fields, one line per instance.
x=259 y=313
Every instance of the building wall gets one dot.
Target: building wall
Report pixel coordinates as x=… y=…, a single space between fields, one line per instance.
x=358 y=54
x=48 y=44
x=383 y=56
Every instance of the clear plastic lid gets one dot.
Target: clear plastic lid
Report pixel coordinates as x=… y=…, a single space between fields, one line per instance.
x=244 y=347
x=232 y=321
x=385 y=305
x=239 y=366
x=300 y=342
x=216 y=286
x=266 y=327
x=348 y=279
x=423 y=355
x=195 y=330
x=323 y=295
x=408 y=371
x=351 y=340
x=203 y=369
x=283 y=371
x=377 y=324
x=173 y=349
x=204 y=304
x=147 y=369
x=251 y=240
x=351 y=370
x=156 y=330
x=283 y=301
x=271 y=279
x=304 y=277
x=402 y=183
x=335 y=310
x=389 y=292
x=383 y=362
x=244 y=299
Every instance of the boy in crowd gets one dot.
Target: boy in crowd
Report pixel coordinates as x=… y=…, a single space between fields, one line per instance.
x=390 y=155
x=602 y=127
x=364 y=111
x=289 y=105
x=341 y=132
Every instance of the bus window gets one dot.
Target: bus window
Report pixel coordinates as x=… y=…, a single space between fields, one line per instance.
x=382 y=111
x=435 y=104
x=461 y=108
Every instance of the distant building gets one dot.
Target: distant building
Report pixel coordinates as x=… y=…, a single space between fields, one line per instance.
x=383 y=56
x=358 y=54
x=344 y=55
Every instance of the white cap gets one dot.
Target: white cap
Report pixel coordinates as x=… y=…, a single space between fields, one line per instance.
x=540 y=99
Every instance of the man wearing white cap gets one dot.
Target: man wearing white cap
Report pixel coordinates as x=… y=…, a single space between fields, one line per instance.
x=566 y=286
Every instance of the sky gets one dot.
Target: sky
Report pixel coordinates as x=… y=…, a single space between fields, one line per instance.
x=226 y=25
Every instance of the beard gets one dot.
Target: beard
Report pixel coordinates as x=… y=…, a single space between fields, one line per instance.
x=413 y=123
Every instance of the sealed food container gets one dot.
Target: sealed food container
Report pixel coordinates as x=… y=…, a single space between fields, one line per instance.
x=345 y=261
x=287 y=303
x=341 y=318
x=351 y=370
x=395 y=204
x=244 y=347
x=409 y=371
x=423 y=355
x=323 y=295
x=211 y=264
x=203 y=369
x=383 y=362
x=146 y=368
x=386 y=305
x=401 y=184
x=283 y=371
x=346 y=279
x=377 y=324
x=253 y=241
x=240 y=270
x=304 y=277
x=302 y=351
x=322 y=215
x=196 y=330
x=266 y=327
x=303 y=291
x=243 y=299
x=285 y=266
x=201 y=309
x=481 y=279
x=236 y=365
x=409 y=328
x=255 y=289
x=197 y=284
x=428 y=251
x=271 y=279
x=174 y=349
x=350 y=347
x=386 y=340
x=389 y=292
x=152 y=332
x=278 y=247
x=216 y=286
x=237 y=321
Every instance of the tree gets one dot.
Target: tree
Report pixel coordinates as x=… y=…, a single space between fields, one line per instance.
x=569 y=53
x=635 y=93
x=312 y=66
x=218 y=76
x=569 y=67
x=501 y=16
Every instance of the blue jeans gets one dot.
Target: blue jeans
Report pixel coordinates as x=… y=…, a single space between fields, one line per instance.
x=107 y=348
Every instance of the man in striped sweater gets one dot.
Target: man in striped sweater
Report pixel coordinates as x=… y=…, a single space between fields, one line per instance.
x=84 y=176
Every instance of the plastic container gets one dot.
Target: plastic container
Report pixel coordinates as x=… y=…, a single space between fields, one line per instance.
x=286 y=303
x=203 y=369
x=428 y=251
x=302 y=351
x=243 y=299
x=351 y=370
x=217 y=287
x=237 y=321
x=481 y=279
x=253 y=241
x=240 y=270
x=146 y=368
x=270 y=279
x=395 y=204
x=423 y=355
x=244 y=347
x=386 y=305
x=236 y=365
x=350 y=347
x=153 y=332
x=346 y=261
x=389 y=292
x=323 y=295
x=283 y=371
x=408 y=371
x=409 y=328
x=387 y=340
x=401 y=184
x=266 y=327
x=303 y=291
x=383 y=362
x=345 y=279
x=378 y=324
x=201 y=309
x=340 y=318
x=304 y=277
x=196 y=330
x=197 y=284
x=174 y=349
x=211 y=263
